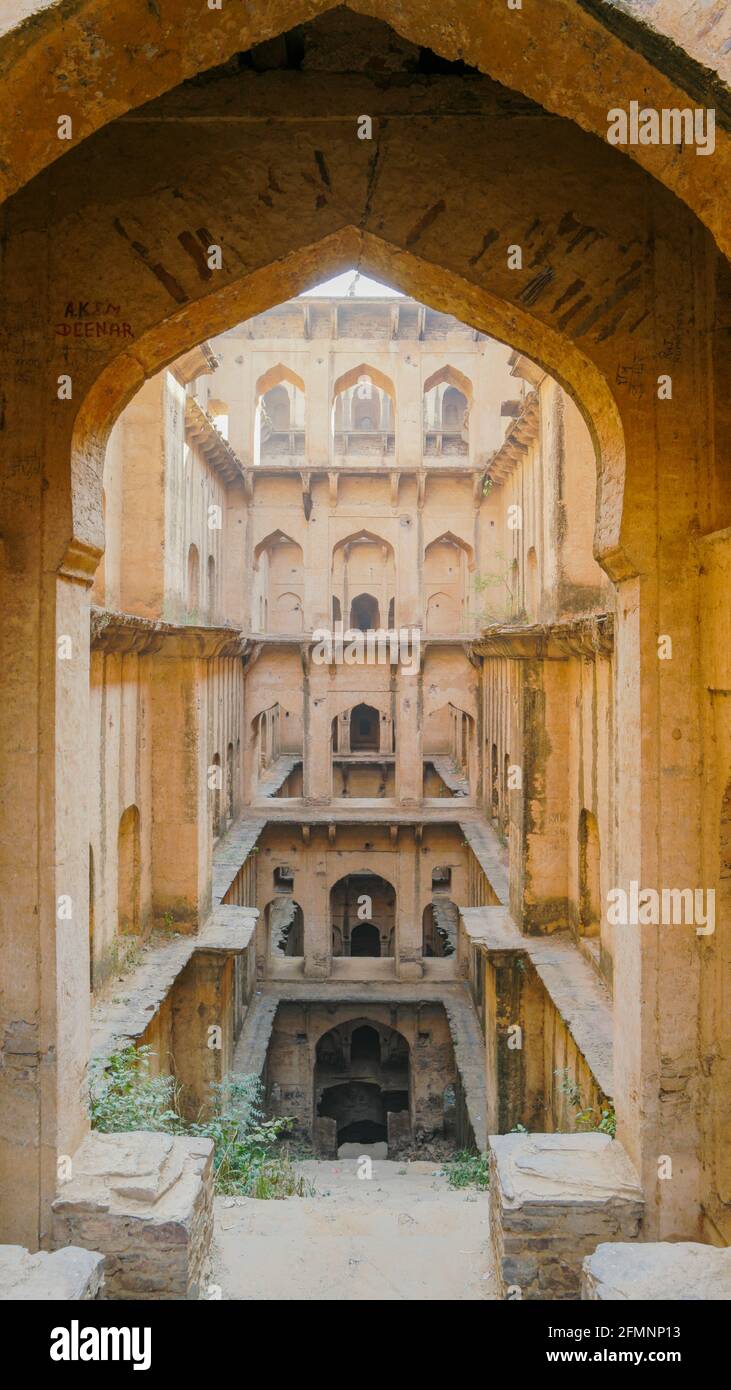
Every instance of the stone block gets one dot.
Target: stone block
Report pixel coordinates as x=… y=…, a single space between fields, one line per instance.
x=146 y=1202
x=71 y=1273
x=553 y=1198
x=657 y=1270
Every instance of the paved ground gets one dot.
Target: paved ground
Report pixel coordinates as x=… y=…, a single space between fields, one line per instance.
x=403 y=1234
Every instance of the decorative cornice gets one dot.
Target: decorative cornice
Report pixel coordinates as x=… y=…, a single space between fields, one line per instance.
x=589 y=636
x=514 y=448
x=199 y=361
x=201 y=431
x=126 y=632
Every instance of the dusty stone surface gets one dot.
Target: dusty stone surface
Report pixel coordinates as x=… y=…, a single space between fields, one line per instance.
x=146 y=1202
x=71 y=1273
x=403 y=1235
x=653 y=1270
x=553 y=1197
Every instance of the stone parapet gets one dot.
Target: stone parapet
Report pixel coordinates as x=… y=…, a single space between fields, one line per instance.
x=68 y=1274
x=553 y=1199
x=145 y=1201
x=655 y=1271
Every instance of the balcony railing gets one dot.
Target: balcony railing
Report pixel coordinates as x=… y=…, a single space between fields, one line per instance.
x=283 y=444
x=444 y=442
x=364 y=442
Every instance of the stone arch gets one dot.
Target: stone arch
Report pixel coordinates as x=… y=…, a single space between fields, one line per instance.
x=193 y=583
x=354 y=375
x=285 y=927
x=359 y=899
x=443 y=613
x=447 y=400
x=363 y=564
x=362 y=1072
x=450 y=376
x=275 y=376
x=586 y=352
x=363 y=727
x=119 y=380
x=448 y=562
x=364 y=613
x=278 y=587
x=280 y=406
x=363 y=411
x=585 y=54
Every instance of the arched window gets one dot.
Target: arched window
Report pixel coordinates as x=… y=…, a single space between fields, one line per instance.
x=531 y=583
x=365 y=1044
x=128 y=872
x=276 y=405
x=211 y=588
x=364 y=729
x=215 y=779
x=454 y=411
x=447 y=402
x=590 y=912
x=364 y=613
x=365 y=940
x=193 y=593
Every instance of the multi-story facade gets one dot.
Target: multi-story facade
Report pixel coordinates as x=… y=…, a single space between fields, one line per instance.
x=348 y=596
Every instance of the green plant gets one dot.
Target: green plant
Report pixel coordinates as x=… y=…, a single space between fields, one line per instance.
x=467 y=1169
x=585 y=1116
x=123 y=1095
x=494 y=580
x=246 y=1159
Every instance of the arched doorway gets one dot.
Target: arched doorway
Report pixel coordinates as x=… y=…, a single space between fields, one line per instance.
x=364 y=613
x=365 y=727
x=363 y=916
x=362 y=1077
x=365 y=940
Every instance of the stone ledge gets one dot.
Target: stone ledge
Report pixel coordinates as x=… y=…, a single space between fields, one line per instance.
x=657 y=1270
x=571 y=982
x=68 y=1274
x=553 y=1199
x=146 y=1202
x=115 y=1026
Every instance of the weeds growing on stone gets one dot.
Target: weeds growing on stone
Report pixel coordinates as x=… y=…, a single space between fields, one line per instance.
x=124 y=1096
x=466 y=1169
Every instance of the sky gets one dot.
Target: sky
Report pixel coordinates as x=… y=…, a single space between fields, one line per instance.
x=341 y=285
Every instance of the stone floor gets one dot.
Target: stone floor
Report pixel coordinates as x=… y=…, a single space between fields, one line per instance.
x=403 y=1234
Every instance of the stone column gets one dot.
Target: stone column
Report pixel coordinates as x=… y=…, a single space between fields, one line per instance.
x=181 y=797
x=409 y=738
x=317 y=733
x=409 y=965
x=316 y=907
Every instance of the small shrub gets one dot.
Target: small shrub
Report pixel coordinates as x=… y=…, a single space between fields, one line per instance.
x=246 y=1161
x=123 y=1095
x=467 y=1169
x=585 y=1117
